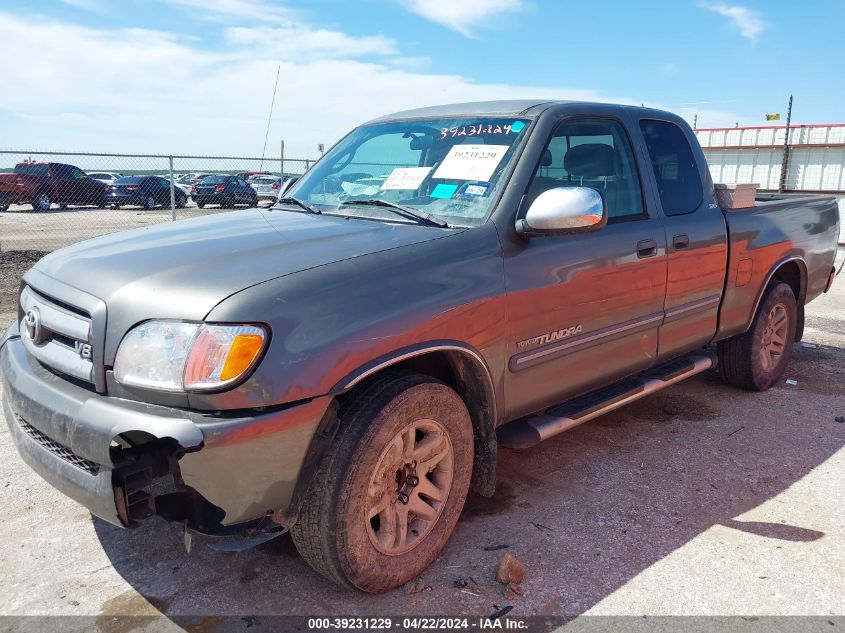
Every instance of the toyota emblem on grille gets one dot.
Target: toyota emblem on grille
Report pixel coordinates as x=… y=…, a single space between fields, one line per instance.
x=32 y=323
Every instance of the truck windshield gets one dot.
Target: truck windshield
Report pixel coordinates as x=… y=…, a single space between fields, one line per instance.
x=448 y=168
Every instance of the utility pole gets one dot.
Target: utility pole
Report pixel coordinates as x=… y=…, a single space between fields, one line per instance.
x=785 y=164
x=282 y=161
x=695 y=122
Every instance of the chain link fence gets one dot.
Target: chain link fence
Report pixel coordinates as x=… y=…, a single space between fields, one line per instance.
x=52 y=199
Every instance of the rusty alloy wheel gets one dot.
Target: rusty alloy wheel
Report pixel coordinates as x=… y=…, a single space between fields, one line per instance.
x=409 y=487
x=774 y=336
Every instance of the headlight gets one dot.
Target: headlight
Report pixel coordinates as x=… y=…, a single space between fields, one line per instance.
x=175 y=356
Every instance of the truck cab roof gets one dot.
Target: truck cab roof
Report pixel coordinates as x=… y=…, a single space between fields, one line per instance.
x=512 y=107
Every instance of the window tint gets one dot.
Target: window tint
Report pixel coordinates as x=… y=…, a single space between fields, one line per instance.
x=678 y=180
x=32 y=169
x=596 y=154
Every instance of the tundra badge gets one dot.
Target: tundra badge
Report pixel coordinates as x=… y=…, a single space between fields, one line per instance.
x=550 y=337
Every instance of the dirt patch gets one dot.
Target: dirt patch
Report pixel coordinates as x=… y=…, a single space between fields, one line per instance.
x=142 y=611
x=13 y=264
x=664 y=407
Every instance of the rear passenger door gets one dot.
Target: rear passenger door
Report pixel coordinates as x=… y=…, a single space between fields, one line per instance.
x=696 y=236
x=585 y=309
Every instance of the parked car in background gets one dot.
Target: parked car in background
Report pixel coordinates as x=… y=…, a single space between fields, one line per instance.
x=249 y=176
x=43 y=184
x=143 y=191
x=106 y=177
x=197 y=178
x=227 y=191
x=267 y=187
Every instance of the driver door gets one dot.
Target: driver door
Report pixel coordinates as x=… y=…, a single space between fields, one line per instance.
x=585 y=309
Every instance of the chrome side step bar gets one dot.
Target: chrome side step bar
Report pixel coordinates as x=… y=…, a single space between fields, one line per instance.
x=532 y=430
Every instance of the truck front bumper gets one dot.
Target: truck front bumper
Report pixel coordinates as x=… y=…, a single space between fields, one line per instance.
x=125 y=460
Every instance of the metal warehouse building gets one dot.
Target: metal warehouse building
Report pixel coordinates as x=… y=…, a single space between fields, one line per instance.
x=815 y=158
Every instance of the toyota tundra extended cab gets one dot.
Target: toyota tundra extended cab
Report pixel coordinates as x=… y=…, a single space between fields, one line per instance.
x=345 y=364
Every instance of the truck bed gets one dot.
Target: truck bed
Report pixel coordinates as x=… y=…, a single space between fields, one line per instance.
x=780 y=228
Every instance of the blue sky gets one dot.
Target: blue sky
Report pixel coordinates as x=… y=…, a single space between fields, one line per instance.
x=197 y=75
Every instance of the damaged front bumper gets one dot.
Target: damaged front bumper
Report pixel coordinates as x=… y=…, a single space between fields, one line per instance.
x=126 y=460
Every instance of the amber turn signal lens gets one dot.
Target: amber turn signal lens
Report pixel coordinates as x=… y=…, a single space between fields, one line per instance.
x=221 y=354
x=243 y=352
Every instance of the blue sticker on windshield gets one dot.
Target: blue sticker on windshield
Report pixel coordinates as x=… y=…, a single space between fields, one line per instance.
x=517 y=126
x=475 y=190
x=444 y=191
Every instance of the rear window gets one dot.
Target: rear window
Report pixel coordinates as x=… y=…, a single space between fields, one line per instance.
x=214 y=180
x=129 y=180
x=264 y=181
x=678 y=180
x=32 y=170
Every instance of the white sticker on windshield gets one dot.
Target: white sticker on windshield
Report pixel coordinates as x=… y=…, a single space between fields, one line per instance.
x=406 y=178
x=471 y=162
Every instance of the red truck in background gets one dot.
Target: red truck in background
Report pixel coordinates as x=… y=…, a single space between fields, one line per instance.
x=43 y=184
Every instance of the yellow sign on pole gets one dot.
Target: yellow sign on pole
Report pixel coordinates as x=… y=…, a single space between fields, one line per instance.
x=773 y=117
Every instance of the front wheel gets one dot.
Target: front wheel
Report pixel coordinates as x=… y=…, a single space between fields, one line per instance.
x=3 y=207
x=201 y=205
x=385 y=500
x=757 y=359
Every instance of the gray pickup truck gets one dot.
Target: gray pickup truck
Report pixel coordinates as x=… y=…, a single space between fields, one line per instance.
x=345 y=364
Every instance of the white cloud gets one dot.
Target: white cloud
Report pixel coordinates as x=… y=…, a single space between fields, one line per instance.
x=146 y=91
x=85 y=5
x=749 y=22
x=135 y=90
x=239 y=11
x=462 y=16
x=301 y=43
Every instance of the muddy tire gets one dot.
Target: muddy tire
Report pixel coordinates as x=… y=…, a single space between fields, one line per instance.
x=386 y=499
x=757 y=359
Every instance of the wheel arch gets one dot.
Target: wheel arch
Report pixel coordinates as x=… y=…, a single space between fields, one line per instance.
x=793 y=272
x=462 y=368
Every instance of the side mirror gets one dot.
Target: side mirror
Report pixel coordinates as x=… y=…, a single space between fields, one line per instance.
x=563 y=211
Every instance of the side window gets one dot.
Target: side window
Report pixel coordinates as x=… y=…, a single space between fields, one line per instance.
x=678 y=180
x=63 y=172
x=592 y=153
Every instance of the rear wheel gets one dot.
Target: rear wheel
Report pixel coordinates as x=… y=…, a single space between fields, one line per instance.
x=227 y=203
x=3 y=207
x=757 y=359
x=150 y=203
x=181 y=201
x=384 y=502
x=42 y=202
x=201 y=205
x=115 y=206
x=63 y=206
x=253 y=201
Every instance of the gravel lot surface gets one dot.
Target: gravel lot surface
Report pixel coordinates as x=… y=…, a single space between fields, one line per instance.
x=21 y=229
x=699 y=500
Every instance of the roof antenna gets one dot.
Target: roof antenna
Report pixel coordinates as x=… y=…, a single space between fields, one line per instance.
x=269 y=117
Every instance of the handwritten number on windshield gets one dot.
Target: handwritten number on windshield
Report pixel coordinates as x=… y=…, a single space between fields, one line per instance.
x=474 y=130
